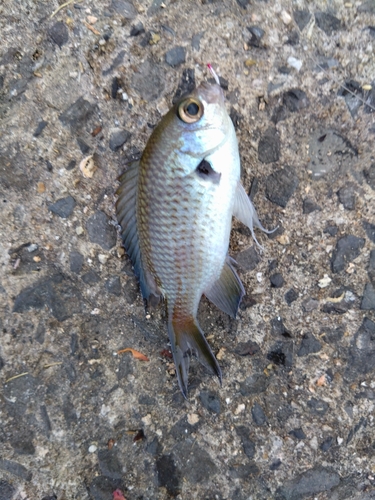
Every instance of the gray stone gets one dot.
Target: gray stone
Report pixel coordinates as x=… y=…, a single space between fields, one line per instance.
x=256 y=36
x=90 y=278
x=6 y=490
x=346 y=196
x=318 y=406
x=290 y=296
x=113 y=285
x=370 y=176
x=347 y=249
x=109 y=463
x=196 y=40
x=22 y=443
x=56 y=293
x=281 y=185
x=331 y=230
x=297 y=433
x=277 y=280
x=59 y=33
x=302 y=18
x=124 y=8
x=309 y=483
x=201 y=466
x=137 y=29
x=367 y=6
x=327 y=22
x=100 y=231
x=254 y=384
x=186 y=85
x=370 y=230
x=333 y=335
x=329 y=151
x=176 y=56
x=309 y=345
x=368 y=299
x=310 y=206
x=269 y=146
x=77 y=114
x=258 y=414
x=76 y=260
x=168 y=474
x=248 y=259
x=16 y=469
x=295 y=100
x=278 y=328
x=63 y=207
x=182 y=429
x=244 y=471
x=118 y=138
x=148 y=82
x=247 y=444
x=211 y=401
x=102 y=488
x=281 y=354
x=41 y=126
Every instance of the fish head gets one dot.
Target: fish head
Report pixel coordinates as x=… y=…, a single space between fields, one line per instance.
x=201 y=120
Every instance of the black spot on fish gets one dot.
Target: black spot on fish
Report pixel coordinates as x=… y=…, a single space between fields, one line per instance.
x=205 y=171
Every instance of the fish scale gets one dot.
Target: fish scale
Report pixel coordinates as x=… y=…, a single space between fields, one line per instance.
x=175 y=209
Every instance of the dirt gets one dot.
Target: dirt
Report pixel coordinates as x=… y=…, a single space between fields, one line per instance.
x=80 y=90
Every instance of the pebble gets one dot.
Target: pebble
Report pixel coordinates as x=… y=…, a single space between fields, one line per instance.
x=113 y=285
x=297 y=433
x=277 y=281
x=118 y=138
x=176 y=56
x=327 y=22
x=248 y=259
x=210 y=400
x=100 y=231
x=125 y=9
x=196 y=41
x=168 y=475
x=293 y=62
x=39 y=129
x=302 y=18
x=308 y=345
x=281 y=185
x=278 y=328
x=290 y=296
x=370 y=230
x=331 y=230
x=77 y=114
x=269 y=146
x=15 y=469
x=109 y=463
x=137 y=29
x=71 y=165
x=59 y=33
x=247 y=444
x=370 y=176
x=309 y=206
x=368 y=299
x=317 y=406
x=92 y=448
x=148 y=82
x=347 y=249
x=310 y=304
x=295 y=100
x=254 y=384
x=353 y=95
x=256 y=36
x=309 y=484
x=286 y=17
x=258 y=415
x=63 y=207
x=346 y=196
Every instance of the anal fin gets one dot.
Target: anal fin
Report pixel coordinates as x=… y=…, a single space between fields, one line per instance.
x=226 y=293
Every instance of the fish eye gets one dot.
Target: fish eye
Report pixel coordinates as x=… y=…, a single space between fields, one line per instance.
x=190 y=110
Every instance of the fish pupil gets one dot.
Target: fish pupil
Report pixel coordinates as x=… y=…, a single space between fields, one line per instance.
x=192 y=109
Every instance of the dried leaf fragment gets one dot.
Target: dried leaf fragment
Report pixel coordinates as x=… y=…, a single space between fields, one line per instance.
x=136 y=354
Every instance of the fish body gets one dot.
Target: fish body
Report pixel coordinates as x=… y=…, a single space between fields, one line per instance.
x=175 y=208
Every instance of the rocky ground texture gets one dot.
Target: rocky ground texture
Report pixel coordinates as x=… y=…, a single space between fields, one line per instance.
x=81 y=87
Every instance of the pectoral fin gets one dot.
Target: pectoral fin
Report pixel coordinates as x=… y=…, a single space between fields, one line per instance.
x=226 y=293
x=245 y=212
x=126 y=216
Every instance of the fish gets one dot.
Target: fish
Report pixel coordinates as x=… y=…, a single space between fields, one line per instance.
x=174 y=207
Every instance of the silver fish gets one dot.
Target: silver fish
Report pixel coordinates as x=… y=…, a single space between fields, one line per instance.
x=175 y=207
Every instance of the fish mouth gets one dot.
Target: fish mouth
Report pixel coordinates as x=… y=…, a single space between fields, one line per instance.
x=212 y=92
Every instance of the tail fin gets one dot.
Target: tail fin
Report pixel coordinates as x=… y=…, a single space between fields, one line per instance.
x=187 y=339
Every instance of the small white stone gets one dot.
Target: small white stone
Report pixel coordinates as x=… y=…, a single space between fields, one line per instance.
x=147 y=420
x=259 y=277
x=324 y=282
x=95 y=311
x=32 y=247
x=92 y=448
x=339 y=440
x=103 y=258
x=240 y=408
x=79 y=230
x=294 y=63
x=285 y=17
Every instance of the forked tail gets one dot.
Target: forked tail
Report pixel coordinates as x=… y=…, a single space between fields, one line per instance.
x=187 y=339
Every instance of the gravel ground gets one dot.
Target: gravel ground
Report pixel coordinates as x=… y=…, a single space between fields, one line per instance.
x=80 y=91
